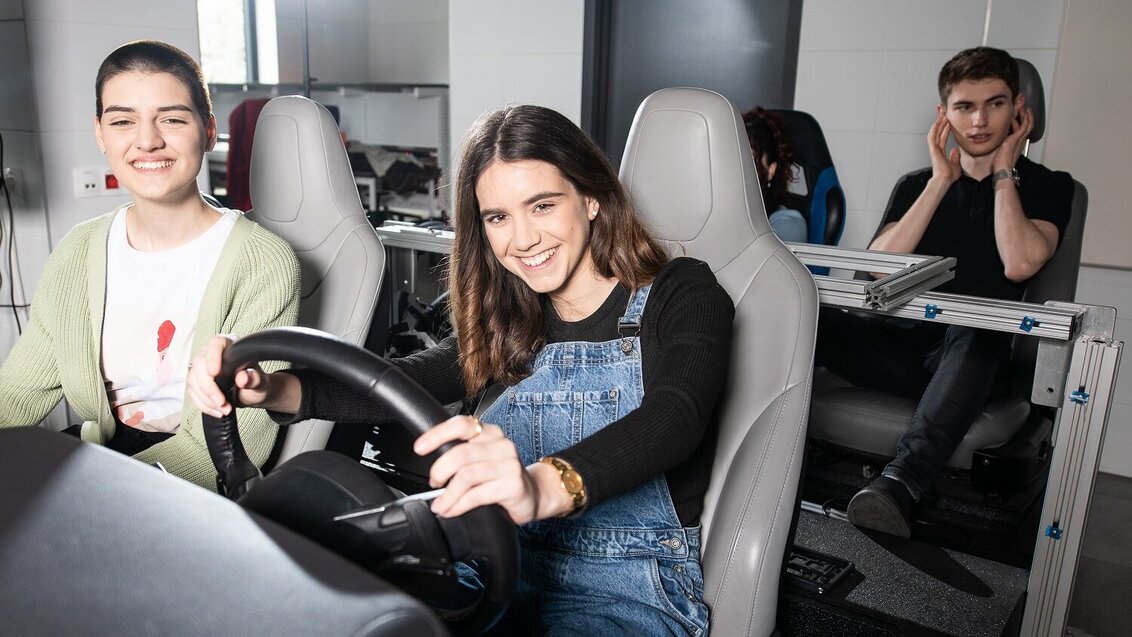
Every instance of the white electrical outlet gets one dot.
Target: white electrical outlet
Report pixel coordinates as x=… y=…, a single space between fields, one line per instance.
x=88 y=182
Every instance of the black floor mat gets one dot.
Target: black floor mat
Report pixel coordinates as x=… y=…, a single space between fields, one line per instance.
x=910 y=587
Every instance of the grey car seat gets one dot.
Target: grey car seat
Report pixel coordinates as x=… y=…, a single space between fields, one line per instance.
x=871 y=421
x=303 y=190
x=689 y=170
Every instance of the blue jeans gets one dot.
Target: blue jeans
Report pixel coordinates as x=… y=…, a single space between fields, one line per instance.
x=788 y=225
x=625 y=566
x=952 y=370
x=562 y=593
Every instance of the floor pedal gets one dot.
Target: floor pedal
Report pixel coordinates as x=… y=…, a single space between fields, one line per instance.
x=815 y=572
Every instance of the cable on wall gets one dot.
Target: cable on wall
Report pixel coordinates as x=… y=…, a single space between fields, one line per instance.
x=11 y=243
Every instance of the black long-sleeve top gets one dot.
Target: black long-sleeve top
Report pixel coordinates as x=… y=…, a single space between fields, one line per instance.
x=686 y=331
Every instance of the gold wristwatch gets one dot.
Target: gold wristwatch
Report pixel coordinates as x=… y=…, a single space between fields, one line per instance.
x=571 y=481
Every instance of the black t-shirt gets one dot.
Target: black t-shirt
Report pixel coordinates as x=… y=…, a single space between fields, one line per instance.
x=686 y=331
x=963 y=224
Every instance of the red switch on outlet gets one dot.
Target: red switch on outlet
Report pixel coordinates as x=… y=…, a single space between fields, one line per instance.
x=111 y=182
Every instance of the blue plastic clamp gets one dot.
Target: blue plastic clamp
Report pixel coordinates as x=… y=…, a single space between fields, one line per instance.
x=1054 y=531
x=1080 y=396
x=931 y=310
x=1028 y=323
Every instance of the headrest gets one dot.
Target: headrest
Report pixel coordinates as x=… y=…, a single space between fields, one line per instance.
x=689 y=169
x=1030 y=85
x=300 y=172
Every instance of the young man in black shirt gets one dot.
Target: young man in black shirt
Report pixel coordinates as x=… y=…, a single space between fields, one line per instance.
x=1001 y=216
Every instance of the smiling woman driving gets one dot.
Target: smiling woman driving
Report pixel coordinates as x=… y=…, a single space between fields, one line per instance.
x=614 y=358
x=126 y=297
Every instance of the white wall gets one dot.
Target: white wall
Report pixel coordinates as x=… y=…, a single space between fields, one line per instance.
x=512 y=52
x=363 y=41
x=408 y=41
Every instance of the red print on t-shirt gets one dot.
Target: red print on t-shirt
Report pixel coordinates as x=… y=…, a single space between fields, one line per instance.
x=164 y=338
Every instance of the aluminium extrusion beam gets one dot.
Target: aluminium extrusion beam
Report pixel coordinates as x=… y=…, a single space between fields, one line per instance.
x=1053 y=321
x=897 y=293
x=911 y=277
x=906 y=275
x=854 y=259
x=414 y=238
x=1078 y=436
x=893 y=289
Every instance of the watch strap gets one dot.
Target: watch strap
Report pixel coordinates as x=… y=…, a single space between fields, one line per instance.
x=1006 y=173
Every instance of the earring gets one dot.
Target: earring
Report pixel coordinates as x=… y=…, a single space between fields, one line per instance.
x=593 y=215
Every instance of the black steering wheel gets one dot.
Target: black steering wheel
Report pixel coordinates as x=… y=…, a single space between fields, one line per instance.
x=339 y=503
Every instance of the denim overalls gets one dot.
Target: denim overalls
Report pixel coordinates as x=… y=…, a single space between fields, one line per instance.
x=625 y=566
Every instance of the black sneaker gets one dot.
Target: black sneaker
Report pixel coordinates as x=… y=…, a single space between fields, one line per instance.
x=885 y=505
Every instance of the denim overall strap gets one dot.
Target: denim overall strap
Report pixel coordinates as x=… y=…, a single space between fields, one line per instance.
x=576 y=389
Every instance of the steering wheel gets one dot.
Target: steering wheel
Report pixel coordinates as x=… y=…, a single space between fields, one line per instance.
x=337 y=502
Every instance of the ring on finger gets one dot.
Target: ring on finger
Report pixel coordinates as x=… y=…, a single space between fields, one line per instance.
x=478 y=429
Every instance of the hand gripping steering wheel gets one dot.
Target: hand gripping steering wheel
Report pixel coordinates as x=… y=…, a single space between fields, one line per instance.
x=337 y=502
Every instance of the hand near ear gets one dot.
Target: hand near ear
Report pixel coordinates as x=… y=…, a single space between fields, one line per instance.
x=944 y=164
x=1007 y=155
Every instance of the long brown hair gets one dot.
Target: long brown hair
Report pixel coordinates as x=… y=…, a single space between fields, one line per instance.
x=499 y=320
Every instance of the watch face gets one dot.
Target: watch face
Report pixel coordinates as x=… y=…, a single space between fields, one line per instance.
x=572 y=481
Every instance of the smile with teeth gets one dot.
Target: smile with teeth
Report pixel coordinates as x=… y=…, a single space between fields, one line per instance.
x=152 y=165
x=538 y=259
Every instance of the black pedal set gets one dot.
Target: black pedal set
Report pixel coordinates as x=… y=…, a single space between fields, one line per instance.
x=815 y=572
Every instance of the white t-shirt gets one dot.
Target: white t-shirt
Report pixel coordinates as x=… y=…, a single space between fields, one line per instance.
x=152 y=301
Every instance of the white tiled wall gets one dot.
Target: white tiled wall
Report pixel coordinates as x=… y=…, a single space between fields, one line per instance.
x=408 y=41
x=361 y=41
x=513 y=51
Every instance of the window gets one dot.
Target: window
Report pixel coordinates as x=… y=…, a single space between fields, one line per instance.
x=238 y=41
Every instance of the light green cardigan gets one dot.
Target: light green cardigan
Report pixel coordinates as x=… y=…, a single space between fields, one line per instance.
x=255 y=285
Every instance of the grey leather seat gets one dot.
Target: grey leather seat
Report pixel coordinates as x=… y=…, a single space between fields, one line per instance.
x=871 y=421
x=303 y=190
x=689 y=170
